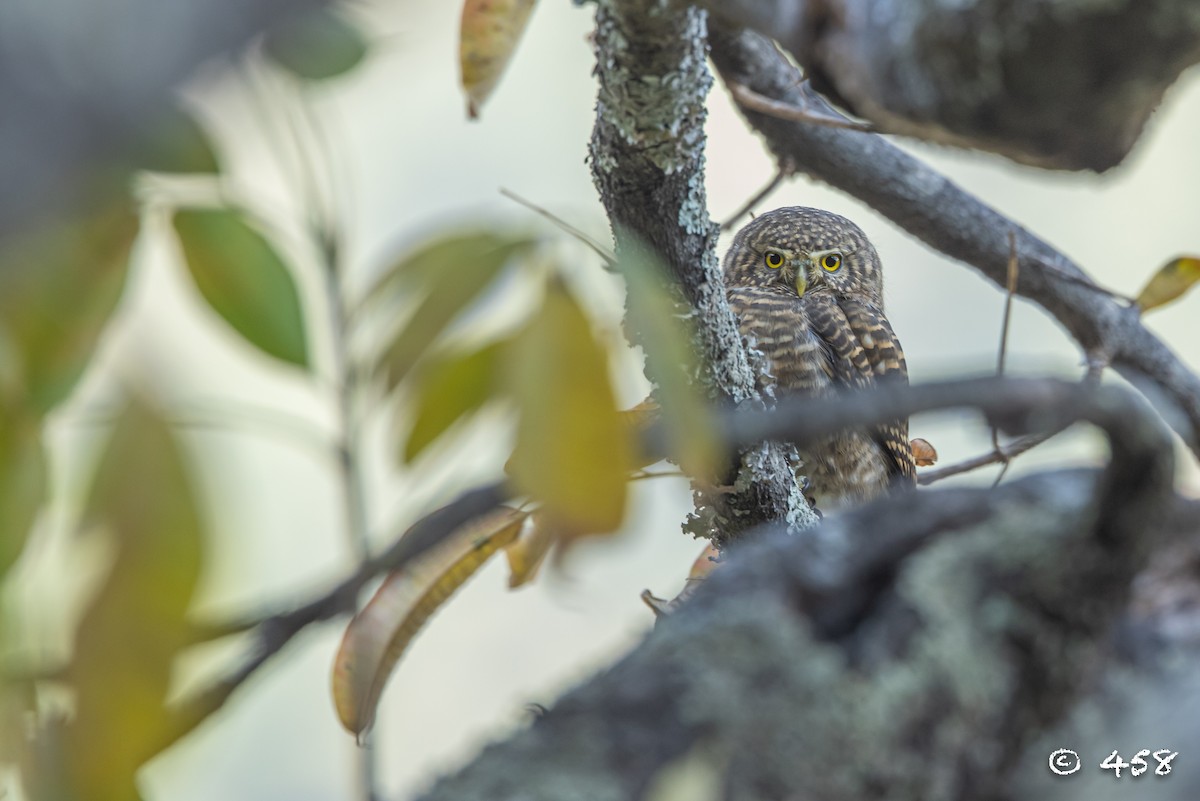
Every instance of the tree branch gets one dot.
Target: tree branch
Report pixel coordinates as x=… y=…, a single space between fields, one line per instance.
x=974 y=74
x=647 y=157
x=912 y=660
x=930 y=207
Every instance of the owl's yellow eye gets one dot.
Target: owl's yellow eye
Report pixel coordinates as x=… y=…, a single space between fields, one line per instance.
x=773 y=260
x=831 y=261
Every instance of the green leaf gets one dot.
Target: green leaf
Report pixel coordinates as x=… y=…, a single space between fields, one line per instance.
x=572 y=452
x=174 y=142
x=23 y=474
x=245 y=281
x=452 y=272
x=59 y=283
x=129 y=635
x=316 y=44
x=449 y=389
x=658 y=323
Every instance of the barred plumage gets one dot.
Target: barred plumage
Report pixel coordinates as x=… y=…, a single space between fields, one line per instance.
x=807 y=288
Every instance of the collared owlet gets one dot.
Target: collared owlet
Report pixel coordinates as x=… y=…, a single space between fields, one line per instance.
x=807 y=288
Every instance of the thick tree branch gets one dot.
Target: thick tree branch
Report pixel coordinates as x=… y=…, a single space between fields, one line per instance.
x=1068 y=84
x=908 y=660
x=930 y=207
x=647 y=157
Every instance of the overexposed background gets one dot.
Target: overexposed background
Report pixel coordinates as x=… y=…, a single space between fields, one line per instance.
x=409 y=164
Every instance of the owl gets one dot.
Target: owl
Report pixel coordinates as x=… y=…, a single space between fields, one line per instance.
x=807 y=288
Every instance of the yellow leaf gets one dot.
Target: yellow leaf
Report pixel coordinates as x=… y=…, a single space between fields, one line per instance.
x=489 y=34
x=127 y=641
x=379 y=634
x=573 y=452
x=23 y=474
x=1169 y=283
x=525 y=556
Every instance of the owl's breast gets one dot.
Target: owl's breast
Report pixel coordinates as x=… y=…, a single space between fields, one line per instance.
x=848 y=466
x=778 y=327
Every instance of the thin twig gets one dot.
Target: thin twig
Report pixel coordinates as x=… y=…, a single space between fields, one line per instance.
x=1096 y=364
x=328 y=232
x=1013 y=274
x=1001 y=359
x=609 y=259
x=1002 y=453
x=748 y=98
x=278 y=126
x=1087 y=283
x=759 y=196
x=272 y=633
x=346 y=450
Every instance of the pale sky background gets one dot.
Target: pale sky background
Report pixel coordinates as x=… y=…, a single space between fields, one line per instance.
x=409 y=164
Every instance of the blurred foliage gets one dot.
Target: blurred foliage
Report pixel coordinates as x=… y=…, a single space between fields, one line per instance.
x=128 y=639
x=659 y=322
x=449 y=387
x=175 y=143
x=316 y=45
x=131 y=631
x=23 y=476
x=59 y=282
x=442 y=279
x=574 y=450
x=58 y=285
x=245 y=281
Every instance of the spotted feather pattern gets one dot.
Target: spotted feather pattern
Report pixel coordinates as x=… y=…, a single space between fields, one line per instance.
x=820 y=331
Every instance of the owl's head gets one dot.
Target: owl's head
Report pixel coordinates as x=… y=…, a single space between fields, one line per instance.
x=798 y=250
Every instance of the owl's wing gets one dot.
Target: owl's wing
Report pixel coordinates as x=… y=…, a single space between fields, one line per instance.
x=863 y=350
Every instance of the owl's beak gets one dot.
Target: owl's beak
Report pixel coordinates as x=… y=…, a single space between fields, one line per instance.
x=801 y=282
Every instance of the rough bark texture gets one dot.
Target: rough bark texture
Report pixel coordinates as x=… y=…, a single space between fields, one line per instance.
x=912 y=660
x=80 y=81
x=1067 y=84
x=932 y=208
x=647 y=156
